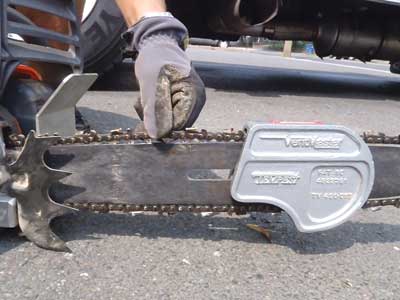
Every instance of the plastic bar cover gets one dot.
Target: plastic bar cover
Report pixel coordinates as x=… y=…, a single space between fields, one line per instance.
x=319 y=174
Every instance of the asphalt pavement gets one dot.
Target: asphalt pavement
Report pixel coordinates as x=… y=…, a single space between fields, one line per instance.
x=217 y=257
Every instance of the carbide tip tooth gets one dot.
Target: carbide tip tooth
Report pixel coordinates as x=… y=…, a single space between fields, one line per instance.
x=58 y=210
x=56 y=244
x=42 y=236
x=56 y=175
x=60 y=246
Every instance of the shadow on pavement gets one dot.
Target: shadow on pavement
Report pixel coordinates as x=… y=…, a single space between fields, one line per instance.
x=10 y=239
x=103 y=121
x=86 y=226
x=221 y=227
x=274 y=82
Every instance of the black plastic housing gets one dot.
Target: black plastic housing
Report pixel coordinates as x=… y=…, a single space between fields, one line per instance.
x=14 y=52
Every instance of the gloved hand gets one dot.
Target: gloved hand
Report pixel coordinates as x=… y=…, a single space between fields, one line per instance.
x=172 y=93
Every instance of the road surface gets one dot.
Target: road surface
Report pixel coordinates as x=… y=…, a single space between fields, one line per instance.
x=218 y=257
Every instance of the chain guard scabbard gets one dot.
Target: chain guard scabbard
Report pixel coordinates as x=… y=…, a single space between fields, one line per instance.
x=31 y=179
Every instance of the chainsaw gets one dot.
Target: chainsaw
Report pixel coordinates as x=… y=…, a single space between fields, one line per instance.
x=320 y=175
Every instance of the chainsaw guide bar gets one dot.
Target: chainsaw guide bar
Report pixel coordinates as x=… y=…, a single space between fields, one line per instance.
x=318 y=174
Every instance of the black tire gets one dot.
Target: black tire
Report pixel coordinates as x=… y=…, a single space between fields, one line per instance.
x=101 y=35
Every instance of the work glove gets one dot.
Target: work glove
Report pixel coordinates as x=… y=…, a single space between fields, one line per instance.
x=172 y=94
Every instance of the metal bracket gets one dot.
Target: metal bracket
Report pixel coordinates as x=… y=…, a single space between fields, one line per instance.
x=8 y=209
x=58 y=114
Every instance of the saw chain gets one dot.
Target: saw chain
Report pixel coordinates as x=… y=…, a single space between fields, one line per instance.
x=190 y=136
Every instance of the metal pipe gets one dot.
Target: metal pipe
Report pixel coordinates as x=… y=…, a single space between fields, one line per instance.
x=285 y=31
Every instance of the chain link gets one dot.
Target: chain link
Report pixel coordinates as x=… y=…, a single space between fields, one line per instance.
x=172 y=209
x=380 y=138
x=119 y=135
x=190 y=136
x=393 y=201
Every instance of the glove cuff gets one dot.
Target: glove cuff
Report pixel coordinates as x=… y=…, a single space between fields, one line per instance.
x=166 y=28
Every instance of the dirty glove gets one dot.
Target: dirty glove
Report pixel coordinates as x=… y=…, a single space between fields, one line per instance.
x=172 y=93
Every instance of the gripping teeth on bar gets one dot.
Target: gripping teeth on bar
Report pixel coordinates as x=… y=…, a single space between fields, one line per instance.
x=31 y=179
